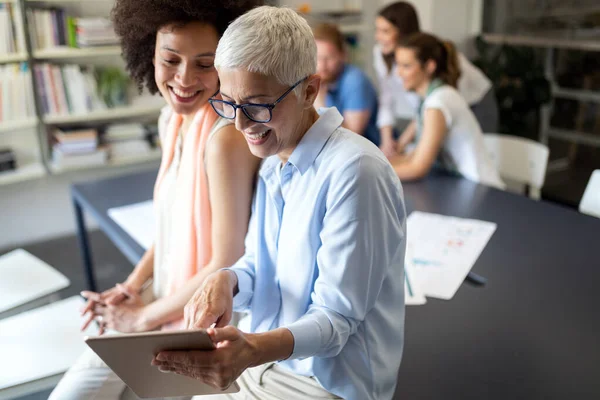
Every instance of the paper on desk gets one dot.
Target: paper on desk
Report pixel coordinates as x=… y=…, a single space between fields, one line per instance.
x=24 y=277
x=137 y=220
x=441 y=250
x=41 y=343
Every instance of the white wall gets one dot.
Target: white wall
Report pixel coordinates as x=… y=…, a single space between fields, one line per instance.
x=41 y=209
x=456 y=20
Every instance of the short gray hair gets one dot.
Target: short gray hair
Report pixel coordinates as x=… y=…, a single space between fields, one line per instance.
x=270 y=41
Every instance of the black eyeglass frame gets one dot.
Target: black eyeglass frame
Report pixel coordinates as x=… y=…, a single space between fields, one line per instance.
x=268 y=106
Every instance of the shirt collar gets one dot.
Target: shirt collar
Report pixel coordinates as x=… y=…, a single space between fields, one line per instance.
x=311 y=144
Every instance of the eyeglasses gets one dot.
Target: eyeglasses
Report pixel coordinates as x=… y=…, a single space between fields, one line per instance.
x=261 y=113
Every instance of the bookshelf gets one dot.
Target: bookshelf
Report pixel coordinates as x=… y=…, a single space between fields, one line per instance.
x=69 y=53
x=23 y=173
x=8 y=126
x=30 y=136
x=12 y=58
x=111 y=114
x=114 y=162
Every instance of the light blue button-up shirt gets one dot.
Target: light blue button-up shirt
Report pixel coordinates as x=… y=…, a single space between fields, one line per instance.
x=325 y=259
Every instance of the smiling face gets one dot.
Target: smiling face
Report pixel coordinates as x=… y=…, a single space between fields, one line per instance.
x=330 y=61
x=386 y=35
x=291 y=117
x=184 y=65
x=414 y=75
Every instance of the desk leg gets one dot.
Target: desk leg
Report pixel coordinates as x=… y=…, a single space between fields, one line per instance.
x=84 y=246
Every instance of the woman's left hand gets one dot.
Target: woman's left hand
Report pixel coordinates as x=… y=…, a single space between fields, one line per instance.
x=126 y=317
x=219 y=368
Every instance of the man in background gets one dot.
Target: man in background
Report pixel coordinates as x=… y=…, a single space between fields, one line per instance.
x=343 y=85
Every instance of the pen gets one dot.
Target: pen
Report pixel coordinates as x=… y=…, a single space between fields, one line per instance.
x=410 y=292
x=475 y=279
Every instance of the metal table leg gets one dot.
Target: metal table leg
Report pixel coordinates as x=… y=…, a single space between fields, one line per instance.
x=84 y=246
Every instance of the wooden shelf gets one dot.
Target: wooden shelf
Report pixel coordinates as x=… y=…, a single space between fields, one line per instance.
x=8 y=126
x=24 y=173
x=66 y=53
x=110 y=114
x=12 y=57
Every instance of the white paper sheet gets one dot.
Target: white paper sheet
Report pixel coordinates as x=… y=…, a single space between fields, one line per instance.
x=441 y=250
x=42 y=342
x=24 y=277
x=137 y=220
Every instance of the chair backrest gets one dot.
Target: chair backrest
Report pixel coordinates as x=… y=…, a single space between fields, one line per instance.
x=590 y=202
x=519 y=159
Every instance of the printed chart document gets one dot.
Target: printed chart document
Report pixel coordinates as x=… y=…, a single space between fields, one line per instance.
x=441 y=251
x=137 y=220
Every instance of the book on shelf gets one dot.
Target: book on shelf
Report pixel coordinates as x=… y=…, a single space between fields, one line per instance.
x=51 y=27
x=8 y=161
x=63 y=160
x=130 y=148
x=76 y=135
x=95 y=32
x=12 y=39
x=75 y=141
x=67 y=89
x=16 y=94
x=128 y=140
x=124 y=132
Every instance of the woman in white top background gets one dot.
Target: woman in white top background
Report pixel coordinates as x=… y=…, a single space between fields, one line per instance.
x=394 y=23
x=446 y=131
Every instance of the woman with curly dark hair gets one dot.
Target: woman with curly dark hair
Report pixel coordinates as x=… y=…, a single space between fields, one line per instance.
x=204 y=187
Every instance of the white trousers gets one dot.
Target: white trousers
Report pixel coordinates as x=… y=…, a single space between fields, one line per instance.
x=272 y=382
x=91 y=379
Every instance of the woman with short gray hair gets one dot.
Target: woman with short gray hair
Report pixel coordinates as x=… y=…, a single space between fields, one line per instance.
x=322 y=277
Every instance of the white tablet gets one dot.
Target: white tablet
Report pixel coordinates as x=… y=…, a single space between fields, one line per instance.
x=130 y=355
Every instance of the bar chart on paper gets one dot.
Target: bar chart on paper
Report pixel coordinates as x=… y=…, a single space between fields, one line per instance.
x=441 y=251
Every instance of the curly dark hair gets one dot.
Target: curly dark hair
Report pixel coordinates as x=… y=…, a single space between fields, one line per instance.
x=137 y=22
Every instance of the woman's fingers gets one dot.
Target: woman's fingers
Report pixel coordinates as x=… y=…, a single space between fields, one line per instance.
x=89 y=306
x=126 y=290
x=115 y=298
x=87 y=322
x=93 y=296
x=99 y=309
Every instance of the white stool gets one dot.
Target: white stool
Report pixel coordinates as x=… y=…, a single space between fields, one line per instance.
x=590 y=202
x=38 y=346
x=26 y=282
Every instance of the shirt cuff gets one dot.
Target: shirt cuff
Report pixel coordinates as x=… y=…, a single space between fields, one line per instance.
x=308 y=337
x=385 y=119
x=244 y=283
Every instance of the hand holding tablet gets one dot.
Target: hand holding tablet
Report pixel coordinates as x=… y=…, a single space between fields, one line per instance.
x=131 y=356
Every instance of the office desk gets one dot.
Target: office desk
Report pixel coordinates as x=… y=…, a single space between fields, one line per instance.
x=96 y=198
x=532 y=332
